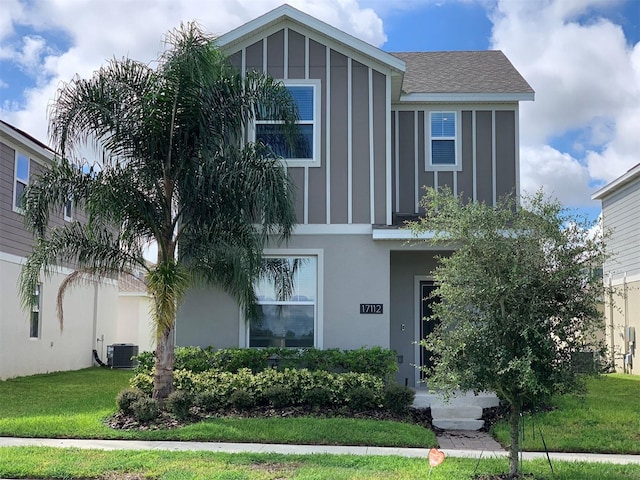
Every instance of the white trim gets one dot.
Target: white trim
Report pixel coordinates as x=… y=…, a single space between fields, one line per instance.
x=389 y=158
x=457 y=165
x=264 y=55
x=416 y=322
x=494 y=173
x=399 y=234
x=623 y=278
x=243 y=63
x=372 y=165
x=306 y=57
x=611 y=187
x=474 y=148
x=516 y=114
x=285 y=61
x=435 y=180
x=455 y=183
x=286 y=12
x=333 y=229
x=466 y=97
x=416 y=163
x=349 y=141
x=327 y=152
x=306 y=195
x=17 y=141
x=397 y=158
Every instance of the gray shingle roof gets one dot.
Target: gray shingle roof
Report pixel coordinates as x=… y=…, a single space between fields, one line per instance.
x=488 y=71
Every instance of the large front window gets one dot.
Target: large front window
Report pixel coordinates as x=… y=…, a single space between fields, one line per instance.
x=304 y=147
x=287 y=297
x=20 y=180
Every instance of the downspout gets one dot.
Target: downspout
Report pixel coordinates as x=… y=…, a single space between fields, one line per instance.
x=626 y=324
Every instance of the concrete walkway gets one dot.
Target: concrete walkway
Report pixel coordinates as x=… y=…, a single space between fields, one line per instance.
x=300 y=449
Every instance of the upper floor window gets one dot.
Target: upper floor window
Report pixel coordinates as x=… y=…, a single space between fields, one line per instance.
x=20 y=180
x=288 y=299
x=305 y=147
x=443 y=134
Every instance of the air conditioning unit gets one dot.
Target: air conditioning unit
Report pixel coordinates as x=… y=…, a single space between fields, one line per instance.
x=119 y=355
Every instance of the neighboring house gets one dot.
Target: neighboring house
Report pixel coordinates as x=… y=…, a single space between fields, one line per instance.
x=135 y=324
x=377 y=127
x=32 y=341
x=621 y=216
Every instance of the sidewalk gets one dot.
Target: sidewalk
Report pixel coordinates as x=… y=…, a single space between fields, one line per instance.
x=300 y=449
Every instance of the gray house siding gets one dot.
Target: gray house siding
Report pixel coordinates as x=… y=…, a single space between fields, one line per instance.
x=348 y=184
x=486 y=144
x=621 y=212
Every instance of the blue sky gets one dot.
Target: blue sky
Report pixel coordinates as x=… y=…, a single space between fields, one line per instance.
x=581 y=56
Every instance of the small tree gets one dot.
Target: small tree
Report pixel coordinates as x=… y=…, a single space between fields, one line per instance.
x=518 y=299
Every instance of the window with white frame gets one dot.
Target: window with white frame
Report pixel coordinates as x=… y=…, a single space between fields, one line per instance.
x=20 y=180
x=34 y=319
x=304 y=148
x=288 y=300
x=443 y=133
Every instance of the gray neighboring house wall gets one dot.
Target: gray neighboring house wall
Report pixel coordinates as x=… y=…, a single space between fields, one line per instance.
x=32 y=341
x=383 y=125
x=621 y=216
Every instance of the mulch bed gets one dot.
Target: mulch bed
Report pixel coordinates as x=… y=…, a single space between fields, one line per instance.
x=120 y=421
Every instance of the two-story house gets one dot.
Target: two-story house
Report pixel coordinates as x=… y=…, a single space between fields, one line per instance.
x=32 y=341
x=621 y=219
x=378 y=127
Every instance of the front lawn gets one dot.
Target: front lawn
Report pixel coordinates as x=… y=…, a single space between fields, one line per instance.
x=29 y=462
x=75 y=404
x=606 y=420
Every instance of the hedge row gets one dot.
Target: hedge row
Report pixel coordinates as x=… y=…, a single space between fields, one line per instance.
x=213 y=390
x=375 y=361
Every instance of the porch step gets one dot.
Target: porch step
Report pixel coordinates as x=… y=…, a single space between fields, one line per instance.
x=463 y=411
x=457 y=424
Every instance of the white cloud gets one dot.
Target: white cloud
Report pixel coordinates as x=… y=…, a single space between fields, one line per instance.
x=104 y=29
x=559 y=174
x=587 y=79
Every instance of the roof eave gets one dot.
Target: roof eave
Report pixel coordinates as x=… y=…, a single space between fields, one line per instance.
x=619 y=182
x=467 y=97
x=287 y=12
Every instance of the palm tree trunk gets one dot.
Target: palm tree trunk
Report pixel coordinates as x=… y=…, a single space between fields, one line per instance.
x=514 y=428
x=163 y=375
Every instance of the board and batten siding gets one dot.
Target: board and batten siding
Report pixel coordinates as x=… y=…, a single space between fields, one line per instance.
x=487 y=146
x=348 y=185
x=15 y=239
x=621 y=214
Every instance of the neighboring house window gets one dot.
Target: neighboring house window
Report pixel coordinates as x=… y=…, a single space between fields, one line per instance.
x=68 y=210
x=288 y=300
x=34 y=320
x=443 y=140
x=21 y=180
x=304 y=149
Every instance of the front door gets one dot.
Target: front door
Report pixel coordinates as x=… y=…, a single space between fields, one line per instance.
x=426 y=327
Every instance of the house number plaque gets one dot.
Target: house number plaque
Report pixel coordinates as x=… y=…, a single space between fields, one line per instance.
x=368 y=308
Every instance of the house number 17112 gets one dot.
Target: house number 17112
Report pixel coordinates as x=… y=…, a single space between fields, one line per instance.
x=371 y=308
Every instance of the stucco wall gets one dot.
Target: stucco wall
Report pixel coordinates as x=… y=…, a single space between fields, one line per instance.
x=88 y=314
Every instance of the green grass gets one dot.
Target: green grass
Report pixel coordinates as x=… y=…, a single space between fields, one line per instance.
x=30 y=462
x=74 y=405
x=606 y=420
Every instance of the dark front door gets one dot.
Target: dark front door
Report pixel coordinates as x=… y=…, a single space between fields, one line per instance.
x=426 y=327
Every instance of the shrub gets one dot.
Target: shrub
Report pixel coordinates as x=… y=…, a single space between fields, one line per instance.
x=178 y=404
x=127 y=397
x=361 y=398
x=241 y=399
x=319 y=396
x=145 y=409
x=209 y=400
x=398 y=398
x=278 y=396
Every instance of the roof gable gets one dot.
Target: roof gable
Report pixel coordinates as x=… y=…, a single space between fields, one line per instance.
x=633 y=174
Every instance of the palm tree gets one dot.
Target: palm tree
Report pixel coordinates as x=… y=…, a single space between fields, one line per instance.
x=175 y=169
